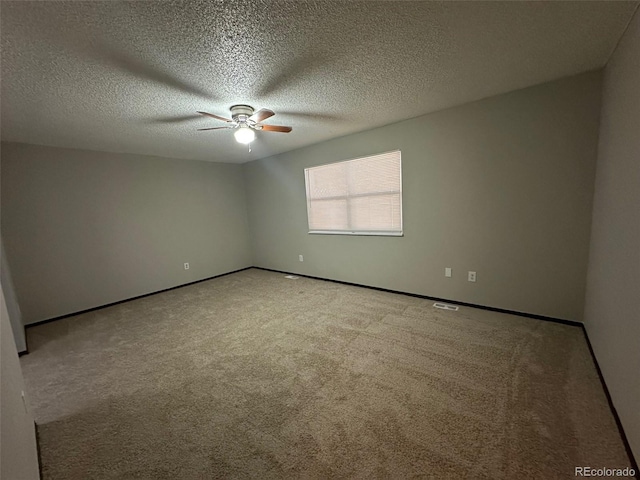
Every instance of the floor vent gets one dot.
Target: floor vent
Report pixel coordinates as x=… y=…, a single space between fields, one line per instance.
x=291 y=277
x=444 y=306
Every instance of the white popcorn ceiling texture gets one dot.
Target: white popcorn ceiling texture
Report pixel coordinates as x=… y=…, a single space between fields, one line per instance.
x=129 y=76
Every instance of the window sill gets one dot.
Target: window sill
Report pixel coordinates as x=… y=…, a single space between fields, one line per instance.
x=366 y=234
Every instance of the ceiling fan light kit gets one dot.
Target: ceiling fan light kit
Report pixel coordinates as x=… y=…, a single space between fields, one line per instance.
x=245 y=121
x=244 y=135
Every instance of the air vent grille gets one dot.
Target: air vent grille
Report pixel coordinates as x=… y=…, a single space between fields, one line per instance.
x=444 y=306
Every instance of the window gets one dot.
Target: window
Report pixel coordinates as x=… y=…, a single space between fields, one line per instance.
x=356 y=197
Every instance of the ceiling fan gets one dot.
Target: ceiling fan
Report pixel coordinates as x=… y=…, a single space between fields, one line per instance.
x=245 y=121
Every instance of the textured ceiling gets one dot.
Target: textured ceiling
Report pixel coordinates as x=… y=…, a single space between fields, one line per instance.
x=129 y=76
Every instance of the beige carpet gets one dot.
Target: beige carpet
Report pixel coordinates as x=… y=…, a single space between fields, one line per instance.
x=253 y=375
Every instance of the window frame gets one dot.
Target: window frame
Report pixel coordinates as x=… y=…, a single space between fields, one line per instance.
x=368 y=233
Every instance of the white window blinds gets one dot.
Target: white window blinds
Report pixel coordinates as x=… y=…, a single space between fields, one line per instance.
x=361 y=196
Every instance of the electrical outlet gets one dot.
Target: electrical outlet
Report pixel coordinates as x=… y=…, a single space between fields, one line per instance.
x=186 y=266
x=447 y=272
x=301 y=258
x=472 y=276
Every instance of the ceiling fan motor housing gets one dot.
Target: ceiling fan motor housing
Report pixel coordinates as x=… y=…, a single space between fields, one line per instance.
x=241 y=113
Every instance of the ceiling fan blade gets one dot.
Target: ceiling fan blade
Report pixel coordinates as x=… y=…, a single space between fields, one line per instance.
x=216 y=117
x=214 y=128
x=276 y=128
x=261 y=115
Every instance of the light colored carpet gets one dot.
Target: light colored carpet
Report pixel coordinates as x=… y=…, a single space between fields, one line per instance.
x=253 y=375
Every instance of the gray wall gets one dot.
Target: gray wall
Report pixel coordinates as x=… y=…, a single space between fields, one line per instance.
x=18 y=452
x=12 y=302
x=85 y=228
x=612 y=313
x=502 y=186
